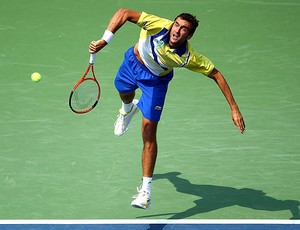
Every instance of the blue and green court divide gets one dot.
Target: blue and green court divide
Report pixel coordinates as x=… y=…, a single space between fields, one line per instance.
x=59 y=170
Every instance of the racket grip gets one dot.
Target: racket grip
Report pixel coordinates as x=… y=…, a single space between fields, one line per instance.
x=92 y=58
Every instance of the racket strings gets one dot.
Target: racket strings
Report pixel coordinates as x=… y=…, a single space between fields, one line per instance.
x=85 y=96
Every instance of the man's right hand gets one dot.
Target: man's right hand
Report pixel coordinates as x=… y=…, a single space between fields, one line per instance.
x=96 y=46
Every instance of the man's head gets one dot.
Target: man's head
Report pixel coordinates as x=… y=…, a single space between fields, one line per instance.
x=191 y=19
x=183 y=29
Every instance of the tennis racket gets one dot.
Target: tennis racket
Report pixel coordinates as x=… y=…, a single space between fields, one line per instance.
x=85 y=94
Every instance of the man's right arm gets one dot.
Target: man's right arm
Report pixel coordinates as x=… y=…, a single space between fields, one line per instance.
x=117 y=21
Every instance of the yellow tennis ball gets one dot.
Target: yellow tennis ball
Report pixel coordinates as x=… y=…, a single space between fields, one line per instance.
x=36 y=77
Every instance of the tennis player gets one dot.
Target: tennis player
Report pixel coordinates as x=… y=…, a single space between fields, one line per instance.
x=163 y=44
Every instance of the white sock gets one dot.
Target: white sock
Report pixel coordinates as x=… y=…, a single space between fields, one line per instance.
x=127 y=107
x=146 y=186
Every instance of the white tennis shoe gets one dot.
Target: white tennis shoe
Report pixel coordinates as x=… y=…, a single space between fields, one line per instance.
x=123 y=119
x=141 y=200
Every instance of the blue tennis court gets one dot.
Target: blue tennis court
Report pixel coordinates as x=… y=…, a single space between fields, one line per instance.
x=155 y=225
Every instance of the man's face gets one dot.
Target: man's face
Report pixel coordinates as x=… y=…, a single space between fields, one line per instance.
x=179 y=33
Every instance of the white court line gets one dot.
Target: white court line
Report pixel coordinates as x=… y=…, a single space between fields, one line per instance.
x=151 y=221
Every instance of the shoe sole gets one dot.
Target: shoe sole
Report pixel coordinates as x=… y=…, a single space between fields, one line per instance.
x=140 y=207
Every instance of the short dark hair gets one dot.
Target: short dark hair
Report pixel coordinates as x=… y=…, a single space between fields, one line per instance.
x=190 y=18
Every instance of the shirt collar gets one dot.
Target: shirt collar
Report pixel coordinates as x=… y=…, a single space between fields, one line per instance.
x=181 y=50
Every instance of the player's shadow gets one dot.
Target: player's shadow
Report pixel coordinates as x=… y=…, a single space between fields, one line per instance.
x=213 y=197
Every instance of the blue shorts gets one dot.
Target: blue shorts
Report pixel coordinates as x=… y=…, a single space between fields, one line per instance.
x=133 y=74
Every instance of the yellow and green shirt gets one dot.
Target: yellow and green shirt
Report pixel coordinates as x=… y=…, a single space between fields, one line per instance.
x=156 y=54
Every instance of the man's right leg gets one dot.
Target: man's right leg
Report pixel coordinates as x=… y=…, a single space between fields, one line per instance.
x=127 y=98
x=129 y=108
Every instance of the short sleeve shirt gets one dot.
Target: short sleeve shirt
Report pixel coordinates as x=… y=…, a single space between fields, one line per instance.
x=156 y=53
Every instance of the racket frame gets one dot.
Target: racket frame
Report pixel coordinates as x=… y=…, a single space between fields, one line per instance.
x=81 y=80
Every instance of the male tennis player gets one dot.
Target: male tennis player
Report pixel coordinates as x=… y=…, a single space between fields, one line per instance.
x=163 y=45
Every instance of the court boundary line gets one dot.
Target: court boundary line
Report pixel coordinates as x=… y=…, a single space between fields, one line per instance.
x=149 y=221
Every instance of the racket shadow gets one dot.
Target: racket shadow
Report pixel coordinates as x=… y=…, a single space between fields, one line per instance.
x=213 y=197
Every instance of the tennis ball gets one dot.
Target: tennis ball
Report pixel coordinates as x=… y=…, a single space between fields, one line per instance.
x=36 y=77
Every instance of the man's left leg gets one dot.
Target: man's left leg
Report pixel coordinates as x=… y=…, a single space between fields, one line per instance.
x=149 y=128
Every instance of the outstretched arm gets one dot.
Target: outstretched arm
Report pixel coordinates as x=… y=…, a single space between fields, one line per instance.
x=118 y=20
x=235 y=112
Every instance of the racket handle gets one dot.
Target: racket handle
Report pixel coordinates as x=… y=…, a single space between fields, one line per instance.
x=92 y=58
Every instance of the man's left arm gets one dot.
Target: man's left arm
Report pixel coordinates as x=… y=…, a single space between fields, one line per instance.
x=235 y=112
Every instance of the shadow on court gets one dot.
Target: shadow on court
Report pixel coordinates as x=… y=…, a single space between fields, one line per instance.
x=213 y=197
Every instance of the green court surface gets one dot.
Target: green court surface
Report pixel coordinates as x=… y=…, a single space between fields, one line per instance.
x=55 y=164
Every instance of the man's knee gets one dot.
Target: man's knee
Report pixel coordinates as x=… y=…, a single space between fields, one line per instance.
x=149 y=130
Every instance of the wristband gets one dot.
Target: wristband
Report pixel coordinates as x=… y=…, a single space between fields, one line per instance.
x=107 y=36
